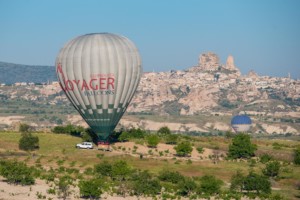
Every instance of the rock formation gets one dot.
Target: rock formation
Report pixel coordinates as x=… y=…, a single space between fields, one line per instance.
x=209 y=61
x=252 y=74
x=230 y=63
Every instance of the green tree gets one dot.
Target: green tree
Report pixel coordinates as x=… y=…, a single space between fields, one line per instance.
x=272 y=169
x=125 y=136
x=145 y=184
x=86 y=137
x=297 y=156
x=103 y=169
x=210 y=185
x=90 y=188
x=266 y=158
x=136 y=133
x=28 y=142
x=164 y=131
x=184 y=148
x=64 y=184
x=24 y=128
x=186 y=186
x=17 y=172
x=59 y=129
x=121 y=173
x=259 y=184
x=241 y=147
x=121 y=170
x=170 y=176
x=237 y=181
x=152 y=141
x=69 y=129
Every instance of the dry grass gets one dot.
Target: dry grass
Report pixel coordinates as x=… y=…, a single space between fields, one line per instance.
x=55 y=148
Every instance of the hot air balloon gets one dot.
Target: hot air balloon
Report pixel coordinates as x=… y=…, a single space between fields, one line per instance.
x=241 y=123
x=99 y=74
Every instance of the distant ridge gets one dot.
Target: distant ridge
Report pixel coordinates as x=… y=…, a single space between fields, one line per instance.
x=11 y=73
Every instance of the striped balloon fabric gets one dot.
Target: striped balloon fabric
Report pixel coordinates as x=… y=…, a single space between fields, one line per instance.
x=99 y=74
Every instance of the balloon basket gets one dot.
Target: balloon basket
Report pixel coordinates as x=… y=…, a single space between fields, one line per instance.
x=104 y=146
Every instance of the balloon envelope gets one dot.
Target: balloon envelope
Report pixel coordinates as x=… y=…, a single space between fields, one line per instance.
x=99 y=74
x=241 y=123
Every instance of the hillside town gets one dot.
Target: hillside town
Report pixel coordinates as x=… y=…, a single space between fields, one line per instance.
x=210 y=88
x=203 y=87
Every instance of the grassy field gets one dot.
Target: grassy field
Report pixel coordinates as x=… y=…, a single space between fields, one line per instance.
x=59 y=149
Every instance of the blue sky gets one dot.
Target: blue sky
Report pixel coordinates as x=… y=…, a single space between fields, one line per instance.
x=263 y=35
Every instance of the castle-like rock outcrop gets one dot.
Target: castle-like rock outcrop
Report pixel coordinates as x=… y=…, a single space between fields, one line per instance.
x=209 y=61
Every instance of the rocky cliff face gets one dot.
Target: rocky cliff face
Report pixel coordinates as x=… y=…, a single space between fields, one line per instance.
x=210 y=86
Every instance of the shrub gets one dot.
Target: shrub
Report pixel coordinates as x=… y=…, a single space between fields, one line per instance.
x=136 y=133
x=200 y=149
x=86 y=137
x=51 y=191
x=28 y=142
x=49 y=176
x=272 y=169
x=266 y=158
x=58 y=129
x=144 y=184
x=125 y=136
x=164 y=131
x=237 y=182
x=120 y=170
x=90 y=188
x=297 y=156
x=257 y=183
x=183 y=148
x=241 y=147
x=63 y=186
x=69 y=129
x=170 y=176
x=39 y=195
x=103 y=169
x=210 y=185
x=17 y=172
x=152 y=141
x=24 y=128
x=186 y=187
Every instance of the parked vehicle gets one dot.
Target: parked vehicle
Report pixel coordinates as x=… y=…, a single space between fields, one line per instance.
x=85 y=145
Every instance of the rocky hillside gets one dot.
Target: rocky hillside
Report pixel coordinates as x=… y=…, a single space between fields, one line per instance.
x=214 y=87
x=201 y=98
